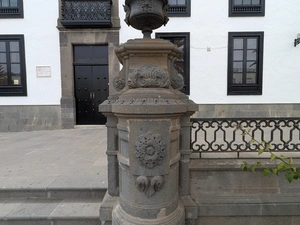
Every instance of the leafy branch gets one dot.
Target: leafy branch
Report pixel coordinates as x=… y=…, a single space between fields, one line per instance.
x=285 y=164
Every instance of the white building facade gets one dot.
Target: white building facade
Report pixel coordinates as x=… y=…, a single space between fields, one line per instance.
x=30 y=77
x=239 y=58
x=242 y=59
x=56 y=58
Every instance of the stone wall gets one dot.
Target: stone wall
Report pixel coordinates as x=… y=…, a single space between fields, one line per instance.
x=28 y=118
x=227 y=195
x=247 y=110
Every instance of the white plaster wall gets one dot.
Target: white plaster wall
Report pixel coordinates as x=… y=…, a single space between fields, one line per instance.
x=209 y=25
x=41 y=49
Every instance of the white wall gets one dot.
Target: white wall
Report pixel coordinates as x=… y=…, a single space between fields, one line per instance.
x=41 y=49
x=209 y=25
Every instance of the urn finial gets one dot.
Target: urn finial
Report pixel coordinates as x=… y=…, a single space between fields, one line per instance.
x=146 y=15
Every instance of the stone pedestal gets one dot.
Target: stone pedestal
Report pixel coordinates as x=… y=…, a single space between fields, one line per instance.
x=149 y=112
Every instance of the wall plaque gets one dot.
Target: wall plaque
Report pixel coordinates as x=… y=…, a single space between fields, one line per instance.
x=43 y=71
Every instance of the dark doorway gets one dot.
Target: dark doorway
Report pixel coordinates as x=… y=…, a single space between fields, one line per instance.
x=91 y=82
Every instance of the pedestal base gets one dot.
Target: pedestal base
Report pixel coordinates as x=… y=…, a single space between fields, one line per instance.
x=119 y=217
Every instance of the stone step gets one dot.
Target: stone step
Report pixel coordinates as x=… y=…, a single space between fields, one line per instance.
x=52 y=193
x=50 y=211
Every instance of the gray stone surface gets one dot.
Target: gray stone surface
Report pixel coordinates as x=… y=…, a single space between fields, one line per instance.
x=227 y=195
x=28 y=118
x=247 y=110
x=279 y=220
x=52 y=177
x=74 y=211
x=53 y=160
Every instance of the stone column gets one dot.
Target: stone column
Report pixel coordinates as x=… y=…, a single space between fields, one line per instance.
x=149 y=111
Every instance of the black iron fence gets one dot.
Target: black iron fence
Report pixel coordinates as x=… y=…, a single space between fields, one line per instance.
x=221 y=134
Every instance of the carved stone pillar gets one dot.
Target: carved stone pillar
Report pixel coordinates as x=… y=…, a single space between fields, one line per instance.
x=150 y=112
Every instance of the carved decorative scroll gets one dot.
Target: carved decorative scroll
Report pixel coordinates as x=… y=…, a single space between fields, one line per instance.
x=148 y=76
x=149 y=185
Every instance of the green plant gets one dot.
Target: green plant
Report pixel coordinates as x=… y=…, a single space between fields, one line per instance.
x=283 y=164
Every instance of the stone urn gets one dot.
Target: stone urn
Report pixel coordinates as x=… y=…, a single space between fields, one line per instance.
x=146 y=15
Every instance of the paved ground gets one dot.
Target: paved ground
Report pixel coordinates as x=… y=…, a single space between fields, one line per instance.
x=53 y=159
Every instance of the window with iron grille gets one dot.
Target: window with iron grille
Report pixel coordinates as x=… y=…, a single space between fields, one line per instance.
x=88 y=14
x=245 y=63
x=12 y=66
x=246 y=8
x=179 y=8
x=11 y=8
x=182 y=65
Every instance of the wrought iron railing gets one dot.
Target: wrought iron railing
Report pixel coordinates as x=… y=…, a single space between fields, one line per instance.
x=179 y=10
x=222 y=135
x=89 y=13
x=9 y=10
x=245 y=9
x=175 y=9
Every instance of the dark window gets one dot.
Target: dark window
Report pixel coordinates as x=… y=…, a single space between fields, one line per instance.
x=11 y=8
x=246 y=7
x=12 y=66
x=179 y=8
x=182 y=40
x=245 y=63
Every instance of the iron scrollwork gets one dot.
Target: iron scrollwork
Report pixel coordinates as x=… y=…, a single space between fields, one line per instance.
x=86 y=13
x=222 y=135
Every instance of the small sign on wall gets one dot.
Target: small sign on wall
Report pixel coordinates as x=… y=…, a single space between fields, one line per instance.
x=43 y=71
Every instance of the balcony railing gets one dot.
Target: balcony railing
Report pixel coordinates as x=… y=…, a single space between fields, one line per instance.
x=91 y=13
x=180 y=10
x=222 y=135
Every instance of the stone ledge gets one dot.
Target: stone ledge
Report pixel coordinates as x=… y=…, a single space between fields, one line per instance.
x=249 y=206
x=190 y=207
x=106 y=208
x=229 y=164
x=48 y=210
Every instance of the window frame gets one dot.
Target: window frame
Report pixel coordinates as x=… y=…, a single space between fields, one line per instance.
x=232 y=13
x=186 y=55
x=185 y=13
x=20 y=13
x=245 y=89
x=16 y=90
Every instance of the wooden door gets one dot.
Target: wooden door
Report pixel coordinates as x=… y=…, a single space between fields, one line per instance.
x=91 y=83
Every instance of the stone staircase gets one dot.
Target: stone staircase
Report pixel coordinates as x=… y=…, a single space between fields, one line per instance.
x=52 y=177
x=56 y=206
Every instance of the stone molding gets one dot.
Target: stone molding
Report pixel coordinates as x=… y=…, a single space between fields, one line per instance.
x=147 y=101
x=121 y=217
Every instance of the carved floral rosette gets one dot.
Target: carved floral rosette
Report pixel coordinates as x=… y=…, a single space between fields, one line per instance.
x=150 y=150
x=119 y=83
x=148 y=76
